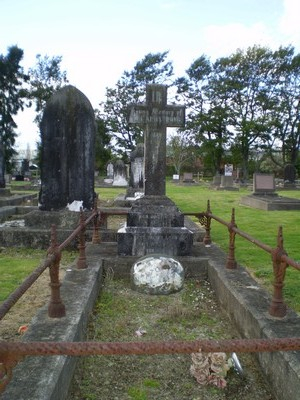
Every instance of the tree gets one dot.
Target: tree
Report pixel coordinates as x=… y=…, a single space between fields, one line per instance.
x=46 y=77
x=103 y=152
x=180 y=150
x=130 y=89
x=206 y=101
x=285 y=115
x=247 y=77
x=12 y=99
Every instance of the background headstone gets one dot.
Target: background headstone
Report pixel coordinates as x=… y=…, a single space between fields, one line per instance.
x=68 y=134
x=228 y=169
x=110 y=170
x=120 y=174
x=188 y=177
x=289 y=175
x=136 y=181
x=263 y=184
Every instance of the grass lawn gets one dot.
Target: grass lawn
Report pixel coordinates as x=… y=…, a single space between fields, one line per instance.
x=262 y=225
x=16 y=264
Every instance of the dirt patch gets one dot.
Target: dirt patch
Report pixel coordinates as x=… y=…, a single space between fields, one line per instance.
x=122 y=314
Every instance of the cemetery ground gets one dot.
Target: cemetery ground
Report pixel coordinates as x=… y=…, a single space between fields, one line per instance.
x=143 y=379
x=122 y=314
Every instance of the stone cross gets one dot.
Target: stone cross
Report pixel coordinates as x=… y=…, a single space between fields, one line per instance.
x=155 y=116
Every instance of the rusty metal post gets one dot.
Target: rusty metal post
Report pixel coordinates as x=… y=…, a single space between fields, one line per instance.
x=231 y=263
x=56 y=309
x=96 y=237
x=278 y=308
x=205 y=220
x=81 y=262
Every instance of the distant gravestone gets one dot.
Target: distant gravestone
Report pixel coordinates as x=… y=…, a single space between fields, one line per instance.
x=68 y=134
x=188 y=177
x=25 y=167
x=2 y=166
x=137 y=168
x=216 y=180
x=120 y=174
x=110 y=171
x=263 y=184
x=289 y=175
x=228 y=169
x=226 y=182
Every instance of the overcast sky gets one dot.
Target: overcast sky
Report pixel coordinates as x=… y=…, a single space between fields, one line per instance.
x=99 y=39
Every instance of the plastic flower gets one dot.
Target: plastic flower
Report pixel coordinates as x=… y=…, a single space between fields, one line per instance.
x=210 y=368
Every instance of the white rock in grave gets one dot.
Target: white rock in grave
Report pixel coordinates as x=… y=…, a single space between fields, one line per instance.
x=157 y=274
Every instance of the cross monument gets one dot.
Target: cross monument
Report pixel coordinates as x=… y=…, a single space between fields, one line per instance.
x=155 y=116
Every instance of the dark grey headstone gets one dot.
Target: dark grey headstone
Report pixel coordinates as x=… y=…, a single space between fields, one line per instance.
x=68 y=135
x=289 y=174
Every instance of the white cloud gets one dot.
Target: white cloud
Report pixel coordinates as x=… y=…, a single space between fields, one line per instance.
x=223 y=40
x=289 y=24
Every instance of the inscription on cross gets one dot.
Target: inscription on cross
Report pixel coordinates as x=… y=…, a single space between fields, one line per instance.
x=155 y=116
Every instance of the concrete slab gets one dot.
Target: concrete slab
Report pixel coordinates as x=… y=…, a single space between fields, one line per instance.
x=271 y=203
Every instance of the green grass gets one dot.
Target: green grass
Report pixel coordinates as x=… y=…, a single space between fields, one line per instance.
x=263 y=225
x=15 y=266
x=109 y=193
x=17 y=263
x=260 y=224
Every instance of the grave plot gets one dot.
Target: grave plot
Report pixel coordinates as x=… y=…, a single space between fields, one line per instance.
x=122 y=314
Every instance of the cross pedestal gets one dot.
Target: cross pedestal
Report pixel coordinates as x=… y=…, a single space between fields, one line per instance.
x=154 y=223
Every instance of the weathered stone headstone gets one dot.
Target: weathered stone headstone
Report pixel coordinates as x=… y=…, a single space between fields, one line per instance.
x=68 y=135
x=289 y=176
x=110 y=170
x=120 y=174
x=188 y=177
x=264 y=196
x=226 y=182
x=263 y=184
x=2 y=166
x=217 y=180
x=154 y=223
x=136 y=181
